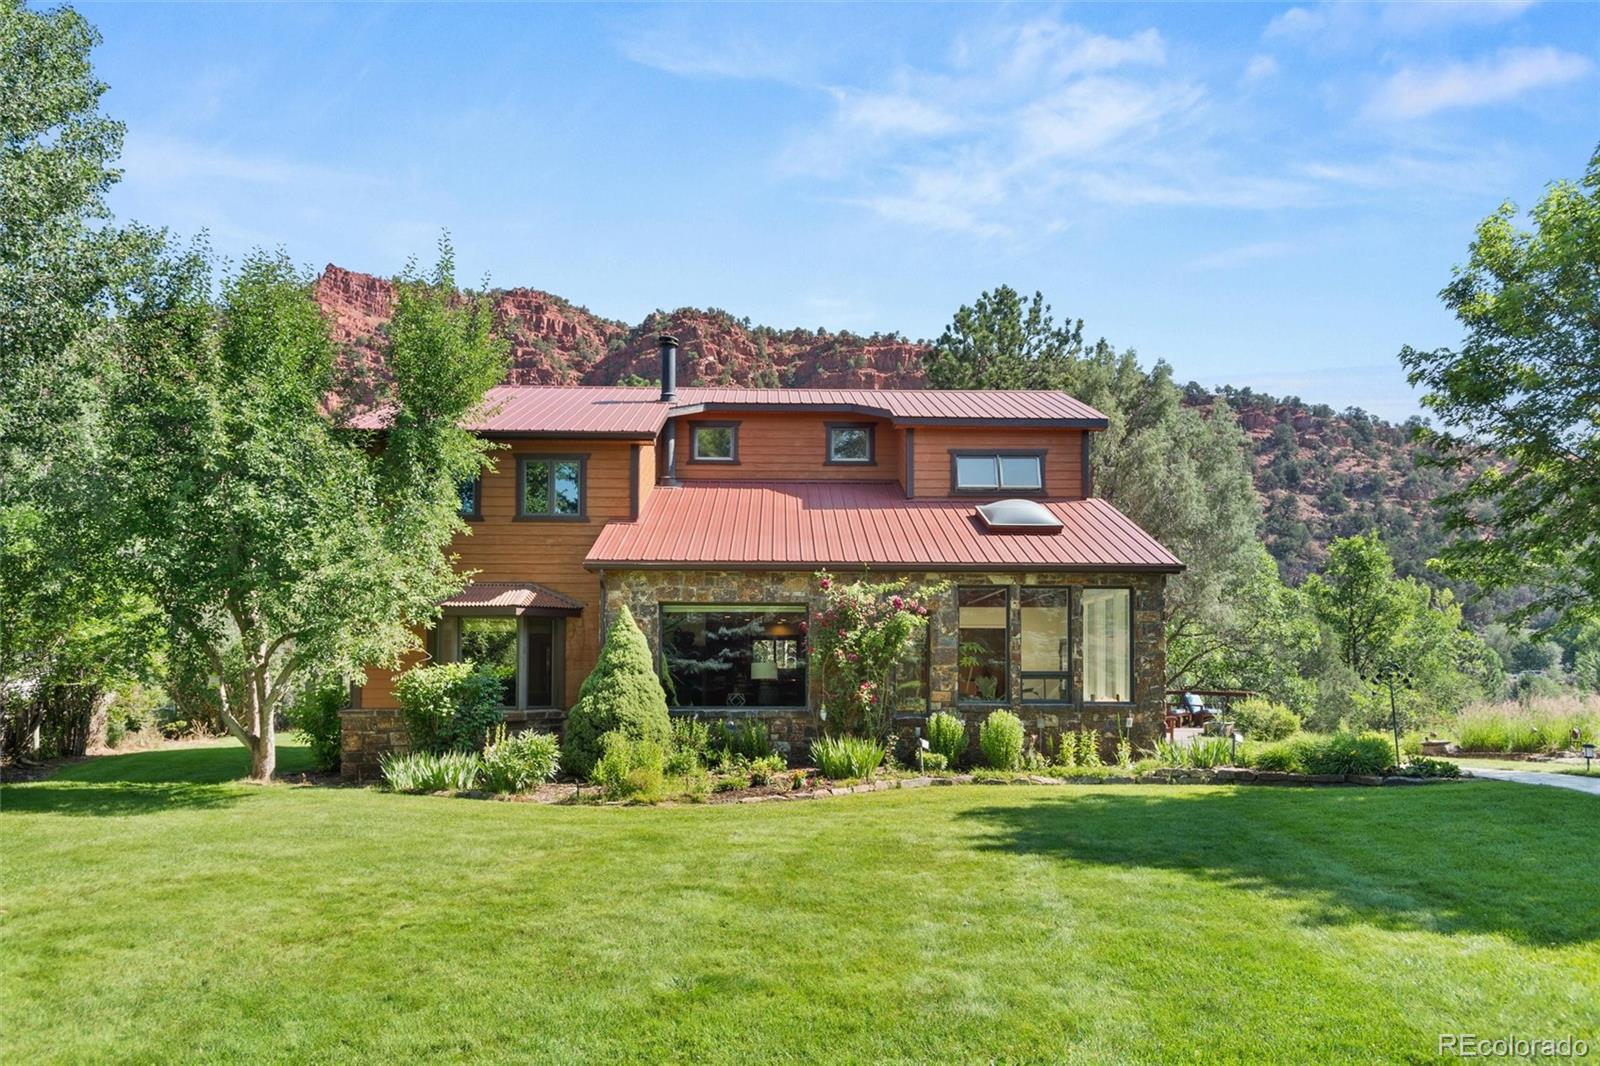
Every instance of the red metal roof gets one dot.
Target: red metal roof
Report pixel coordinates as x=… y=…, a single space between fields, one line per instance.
x=807 y=524
x=513 y=597
x=637 y=411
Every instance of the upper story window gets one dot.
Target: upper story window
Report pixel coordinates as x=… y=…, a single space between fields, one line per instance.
x=550 y=486
x=995 y=471
x=851 y=443
x=715 y=442
x=471 y=498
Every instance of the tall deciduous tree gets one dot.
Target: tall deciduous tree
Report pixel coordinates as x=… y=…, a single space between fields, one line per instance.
x=67 y=629
x=1183 y=474
x=275 y=541
x=1520 y=401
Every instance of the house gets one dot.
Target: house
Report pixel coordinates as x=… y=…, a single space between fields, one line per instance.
x=708 y=511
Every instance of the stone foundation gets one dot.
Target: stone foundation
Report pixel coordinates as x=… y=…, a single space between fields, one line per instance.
x=365 y=734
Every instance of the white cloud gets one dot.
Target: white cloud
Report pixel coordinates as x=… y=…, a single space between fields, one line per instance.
x=1243 y=255
x=1339 y=23
x=1295 y=23
x=1412 y=93
x=1417 y=16
x=893 y=113
x=168 y=159
x=1260 y=68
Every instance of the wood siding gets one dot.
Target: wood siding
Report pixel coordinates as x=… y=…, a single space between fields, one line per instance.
x=502 y=548
x=1063 y=461
x=789 y=447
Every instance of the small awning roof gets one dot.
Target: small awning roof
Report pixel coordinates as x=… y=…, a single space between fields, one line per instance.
x=511 y=597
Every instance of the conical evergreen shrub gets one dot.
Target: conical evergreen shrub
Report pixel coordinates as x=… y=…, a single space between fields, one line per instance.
x=621 y=694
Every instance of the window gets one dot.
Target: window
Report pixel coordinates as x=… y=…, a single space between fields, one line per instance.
x=908 y=678
x=994 y=471
x=471 y=498
x=502 y=644
x=716 y=442
x=984 y=654
x=850 y=443
x=734 y=656
x=1107 y=646
x=1046 y=650
x=550 y=487
x=491 y=643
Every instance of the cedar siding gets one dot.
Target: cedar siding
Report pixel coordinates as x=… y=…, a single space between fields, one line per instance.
x=1063 y=456
x=787 y=446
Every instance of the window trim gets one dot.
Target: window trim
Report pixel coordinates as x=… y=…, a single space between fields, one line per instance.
x=997 y=454
x=1133 y=693
x=694 y=443
x=551 y=460
x=829 y=428
x=1064 y=676
x=1004 y=701
x=476 y=514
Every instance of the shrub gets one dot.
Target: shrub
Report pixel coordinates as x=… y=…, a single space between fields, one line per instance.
x=315 y=712
x=1261 y=719
x=448 y=707
x=764 y=769
x=1429 y=768
x=747 y=740
x=1281 y=757
x=1088 y=748
x=1345 y=753
x=933 y=760
x=426 y=771
x=1000 y=739
x=687 y=746
x=1124 y=754
x=1201 y=753
x=947 y=736
x=629 y=769
x=520 y=762
x=844 y=757
x=622 y=694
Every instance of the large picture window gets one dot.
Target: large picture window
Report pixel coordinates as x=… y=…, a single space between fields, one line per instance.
x=990 y=472
x=550 y=487
x=734 y=656
x=983 y=655
x=1107 y=646
x=1046 y=647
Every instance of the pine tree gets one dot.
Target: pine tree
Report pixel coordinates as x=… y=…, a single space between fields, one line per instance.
x=622 y=693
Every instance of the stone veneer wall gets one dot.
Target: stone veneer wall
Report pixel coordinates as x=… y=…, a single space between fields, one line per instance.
x=792 y=731
x=365 y=733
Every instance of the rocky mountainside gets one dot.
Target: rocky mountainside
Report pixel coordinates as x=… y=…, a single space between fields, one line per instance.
x=1321 y=473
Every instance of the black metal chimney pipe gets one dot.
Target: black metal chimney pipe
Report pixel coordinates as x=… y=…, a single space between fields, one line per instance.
x=669 y=367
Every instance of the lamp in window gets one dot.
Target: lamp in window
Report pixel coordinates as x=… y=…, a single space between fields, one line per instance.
x=764 y=670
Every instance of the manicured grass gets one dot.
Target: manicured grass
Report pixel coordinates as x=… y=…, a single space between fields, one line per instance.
x=1533 y=766
x=154 y=911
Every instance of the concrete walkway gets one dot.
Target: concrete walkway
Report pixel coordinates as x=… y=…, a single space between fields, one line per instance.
x=1591 y=785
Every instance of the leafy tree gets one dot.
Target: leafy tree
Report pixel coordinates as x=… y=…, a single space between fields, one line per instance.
x=273 y=540
x=1519 y=400
x=621 y=694
x=68 y=630
x=1358 y=597
x=1183 y=474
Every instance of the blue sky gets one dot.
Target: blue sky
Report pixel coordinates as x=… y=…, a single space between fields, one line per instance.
x=1263 y=195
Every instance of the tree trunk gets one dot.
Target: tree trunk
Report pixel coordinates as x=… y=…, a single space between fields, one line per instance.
x=263 y=754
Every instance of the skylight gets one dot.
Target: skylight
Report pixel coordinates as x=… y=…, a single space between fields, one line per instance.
x=1018 y=516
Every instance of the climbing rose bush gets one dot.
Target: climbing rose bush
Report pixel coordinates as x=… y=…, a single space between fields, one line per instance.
x=854 y=639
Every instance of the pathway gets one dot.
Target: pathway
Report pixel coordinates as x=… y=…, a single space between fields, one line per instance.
x=1591 y=785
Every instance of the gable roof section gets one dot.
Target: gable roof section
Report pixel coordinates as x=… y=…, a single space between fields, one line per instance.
x=637 y=412
x=512 y=597
x=787 y=525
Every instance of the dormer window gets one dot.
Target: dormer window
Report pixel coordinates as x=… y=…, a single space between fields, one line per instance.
x=715 y=442
x=851 y=443
x=989 y=472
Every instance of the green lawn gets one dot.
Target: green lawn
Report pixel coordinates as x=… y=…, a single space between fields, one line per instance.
x=154 y=911
x=1574 y=769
